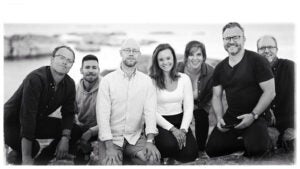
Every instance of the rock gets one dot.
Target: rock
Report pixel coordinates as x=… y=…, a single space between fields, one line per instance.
x=87 y=47
x=29 y=45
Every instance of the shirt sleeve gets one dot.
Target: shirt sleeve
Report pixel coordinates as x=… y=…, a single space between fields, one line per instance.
x=215 y=76
x=68 y=107
x=188 y=103
x=162 y=122
x=103 y=111
x=150 y=109
x=262 y=69
x=32 y=89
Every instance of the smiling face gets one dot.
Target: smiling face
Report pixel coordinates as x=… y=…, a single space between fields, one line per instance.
x=90 y=70
x=195 y=58
x=234 y=40
x=62 y=61
x=267 y=47
x=165 y=60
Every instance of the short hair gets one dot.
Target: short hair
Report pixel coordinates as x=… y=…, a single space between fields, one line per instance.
x=272 y=37
x=60 y=47
x=155 y=71
x=191 y=45
x=232 y=25
x=89 y=57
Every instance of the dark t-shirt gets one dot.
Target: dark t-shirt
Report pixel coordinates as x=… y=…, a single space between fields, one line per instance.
x=241 y=82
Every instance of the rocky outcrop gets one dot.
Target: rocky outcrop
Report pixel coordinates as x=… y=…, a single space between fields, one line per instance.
x=29 y=45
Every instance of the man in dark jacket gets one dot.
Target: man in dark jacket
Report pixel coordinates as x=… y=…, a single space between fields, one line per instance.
x=282 y=107
x=26 y=118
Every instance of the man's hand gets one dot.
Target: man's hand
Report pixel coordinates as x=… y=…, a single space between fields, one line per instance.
x=180 y=136
x=27 y=160
x=86 y=136
x=62 y=148
x=247 y=120
x=150 y=150
x=221 y=123
x=273 y=118
x=112 y=155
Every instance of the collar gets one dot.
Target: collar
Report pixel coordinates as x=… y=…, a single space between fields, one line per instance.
x=124 y=74
x=50 y=77
x=274 y=62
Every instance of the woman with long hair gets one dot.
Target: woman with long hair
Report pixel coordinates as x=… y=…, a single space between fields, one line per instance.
x=174 y=107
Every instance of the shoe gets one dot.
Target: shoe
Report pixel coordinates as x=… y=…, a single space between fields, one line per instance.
x=14 y=158
x=203 y=155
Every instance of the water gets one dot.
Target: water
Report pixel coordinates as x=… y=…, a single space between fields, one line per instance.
x=109 y=58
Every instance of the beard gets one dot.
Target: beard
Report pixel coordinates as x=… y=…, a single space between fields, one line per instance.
x=233 y=52
x=130 y=63
x=90 y=78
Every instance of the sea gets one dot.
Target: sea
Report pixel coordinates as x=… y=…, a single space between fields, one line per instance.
x=177 y=35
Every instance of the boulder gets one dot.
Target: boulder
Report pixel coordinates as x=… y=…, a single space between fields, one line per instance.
x=29 y=45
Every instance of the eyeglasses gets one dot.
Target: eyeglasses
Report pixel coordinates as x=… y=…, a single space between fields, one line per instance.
x=128 y=51
x=263 y=48
x=61 y=57
x=234 y=38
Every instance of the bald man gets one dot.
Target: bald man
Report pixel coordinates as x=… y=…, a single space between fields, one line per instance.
x=282 y=107
x=126 y=103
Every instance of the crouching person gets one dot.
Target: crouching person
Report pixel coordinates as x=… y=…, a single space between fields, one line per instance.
x=26 y=113
x=126 y=101
x=86 y=95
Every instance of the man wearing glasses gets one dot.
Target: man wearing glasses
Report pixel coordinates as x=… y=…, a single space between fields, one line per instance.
x=248 y=82
x=282 y=107
x=126 y=104
x=26 y=118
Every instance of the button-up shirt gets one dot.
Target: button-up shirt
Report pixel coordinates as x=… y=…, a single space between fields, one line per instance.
x=124 y=105
x=37 y=98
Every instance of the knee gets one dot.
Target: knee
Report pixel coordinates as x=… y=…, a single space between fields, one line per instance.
x=212 y=148
x=167 y=146
x=189 y=156
x=258 y=150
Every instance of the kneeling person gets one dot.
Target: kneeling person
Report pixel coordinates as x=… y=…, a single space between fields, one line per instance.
x=126 y=102
x=86 y=95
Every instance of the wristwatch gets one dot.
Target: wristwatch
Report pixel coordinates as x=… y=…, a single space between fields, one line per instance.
x=255 y=116
x=150 y=141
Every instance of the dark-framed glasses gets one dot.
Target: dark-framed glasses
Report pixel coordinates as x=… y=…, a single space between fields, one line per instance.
x=234 y=38
x=133 y=51
x=263 y=48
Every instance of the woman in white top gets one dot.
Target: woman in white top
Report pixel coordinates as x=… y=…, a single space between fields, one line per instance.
x=174 y=105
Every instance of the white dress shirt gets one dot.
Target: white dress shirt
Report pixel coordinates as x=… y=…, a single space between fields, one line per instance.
x=171 y=102
x=124 y=105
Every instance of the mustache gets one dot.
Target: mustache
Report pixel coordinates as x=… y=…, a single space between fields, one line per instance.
x=232 y=44
x=93 y=74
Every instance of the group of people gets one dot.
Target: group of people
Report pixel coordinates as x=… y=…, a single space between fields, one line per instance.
x=142 y=119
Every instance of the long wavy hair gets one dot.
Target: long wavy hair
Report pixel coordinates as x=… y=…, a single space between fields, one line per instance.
x=156 y=73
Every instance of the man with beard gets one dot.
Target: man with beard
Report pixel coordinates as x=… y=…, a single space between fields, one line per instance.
x=86 y=96
x=282 y=107
x=126 y=104
x=26 y=113
x=248 y=82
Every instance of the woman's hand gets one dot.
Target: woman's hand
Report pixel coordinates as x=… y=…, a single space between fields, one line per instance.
x=180 y=136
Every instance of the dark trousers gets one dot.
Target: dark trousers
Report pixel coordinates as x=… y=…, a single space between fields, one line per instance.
x=167 y=144
x=255 y=140
x=201 y=127
x=84 y=150
x=46 y=128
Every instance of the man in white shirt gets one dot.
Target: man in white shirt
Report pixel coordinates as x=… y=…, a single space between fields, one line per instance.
x=126 y=101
